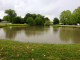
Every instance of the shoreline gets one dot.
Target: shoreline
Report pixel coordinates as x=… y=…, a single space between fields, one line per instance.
x=71 y=26
x=4 y=25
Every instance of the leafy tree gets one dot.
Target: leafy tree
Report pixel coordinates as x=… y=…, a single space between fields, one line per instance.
x=43 y=18
x=72 y=20
x=46 y=19
x=33 y=16
x=65 y=17
x=68 y=16
x=11 y=14
x=76 y=15
x=6 y=18
x=30 y=21
x=56 y=20
x=22 y=20
x=26 y=16
x=38 y=15
x=39 y=21
x=16 y=20
x=62 y=17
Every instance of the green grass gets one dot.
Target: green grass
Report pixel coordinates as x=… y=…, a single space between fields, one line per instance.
x=16 y=24
x=4 y=25
x=14 y=50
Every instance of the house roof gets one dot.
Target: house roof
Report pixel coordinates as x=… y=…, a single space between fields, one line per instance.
x=4 y=22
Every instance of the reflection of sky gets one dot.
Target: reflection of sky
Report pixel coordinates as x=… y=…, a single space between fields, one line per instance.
x=10 y=27
x=2 y=34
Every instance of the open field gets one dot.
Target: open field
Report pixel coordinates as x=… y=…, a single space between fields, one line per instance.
x=14 y=50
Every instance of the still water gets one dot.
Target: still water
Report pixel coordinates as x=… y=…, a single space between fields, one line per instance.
x=41 y=34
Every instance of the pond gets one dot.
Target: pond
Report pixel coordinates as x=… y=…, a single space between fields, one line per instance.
x=41 y=34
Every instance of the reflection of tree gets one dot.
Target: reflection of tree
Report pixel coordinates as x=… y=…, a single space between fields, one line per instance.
x=66 y=34
x=11 y=32
x=36 y=30
x=75 y=35
x=55 y=29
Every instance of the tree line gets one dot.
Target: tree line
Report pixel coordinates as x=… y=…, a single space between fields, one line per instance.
x=31 y=19
x=66 y=17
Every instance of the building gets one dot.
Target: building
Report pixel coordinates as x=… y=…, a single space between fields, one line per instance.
x=61 y=23
x=4 y=22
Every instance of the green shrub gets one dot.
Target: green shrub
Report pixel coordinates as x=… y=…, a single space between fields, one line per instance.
x=47 y=23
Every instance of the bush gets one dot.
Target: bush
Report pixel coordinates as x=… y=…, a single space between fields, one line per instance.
x=30 y=21
x=56 y=21
x=39 y=21
x=47 y=23
x=16 y=20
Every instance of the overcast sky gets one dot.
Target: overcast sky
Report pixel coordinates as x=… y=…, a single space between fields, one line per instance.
x=48 y=8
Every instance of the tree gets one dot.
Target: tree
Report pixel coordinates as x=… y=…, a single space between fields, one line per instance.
x=22 y=20
x=39 y=21
x=72 y=19
x=56 y=20
x=16 y=20
x=68 y=16
x=6 y=18
x=65 y=17
x=46 y=19
x=11 y=14
x=26 y=16
x=33 y=16
x=30 y=21
x=43 y=18
x=76 y=15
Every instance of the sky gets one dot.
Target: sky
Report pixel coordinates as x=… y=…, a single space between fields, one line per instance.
x=47 y=8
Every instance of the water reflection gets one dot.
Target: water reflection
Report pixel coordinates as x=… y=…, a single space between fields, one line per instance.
x=41 y=34
x=67 y=34
x=36 y=30
x=11 y=32
x=55 y=30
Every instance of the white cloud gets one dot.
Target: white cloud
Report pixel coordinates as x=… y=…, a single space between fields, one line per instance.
x=49 y=8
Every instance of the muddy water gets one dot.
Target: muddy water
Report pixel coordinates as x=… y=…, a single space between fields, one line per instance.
x=41 y=34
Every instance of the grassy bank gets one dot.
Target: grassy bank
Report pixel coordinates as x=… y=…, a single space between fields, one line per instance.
x=4 y=25
x=68 y=26
x=14 y=50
